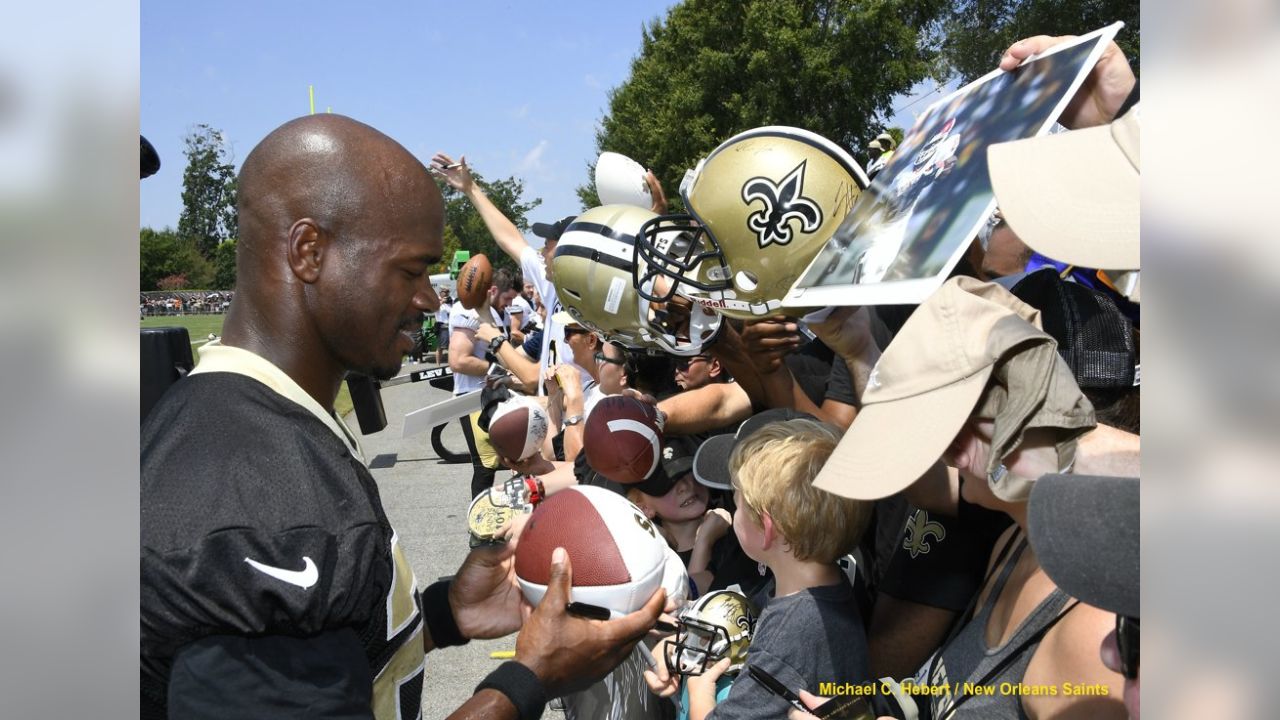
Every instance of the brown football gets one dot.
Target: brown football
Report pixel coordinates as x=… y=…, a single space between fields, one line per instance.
x=474 y=280
x=622 y=439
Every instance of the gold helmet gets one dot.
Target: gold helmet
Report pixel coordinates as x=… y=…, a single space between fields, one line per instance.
x=760 y=206
x=717 y=625
x=593 y=270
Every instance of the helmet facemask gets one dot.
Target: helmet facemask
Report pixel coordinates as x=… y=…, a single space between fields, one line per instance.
x=697 y=646
x=674 y=251
x=718 y=625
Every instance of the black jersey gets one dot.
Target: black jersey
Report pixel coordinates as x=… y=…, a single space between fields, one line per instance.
x=265 y=549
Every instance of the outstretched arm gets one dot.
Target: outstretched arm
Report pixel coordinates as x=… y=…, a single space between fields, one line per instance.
x=458 y=175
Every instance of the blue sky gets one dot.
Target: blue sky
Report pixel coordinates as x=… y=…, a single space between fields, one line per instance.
x=517 y=87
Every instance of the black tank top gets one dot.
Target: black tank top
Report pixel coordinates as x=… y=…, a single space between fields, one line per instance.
x=965 y=658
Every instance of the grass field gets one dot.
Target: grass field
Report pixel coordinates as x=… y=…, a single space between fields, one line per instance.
x=199 y=327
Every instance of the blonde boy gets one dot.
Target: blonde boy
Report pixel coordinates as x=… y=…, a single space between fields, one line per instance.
x=810 y=631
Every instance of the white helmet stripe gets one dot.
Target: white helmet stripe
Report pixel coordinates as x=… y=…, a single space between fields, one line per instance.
x=645 y=432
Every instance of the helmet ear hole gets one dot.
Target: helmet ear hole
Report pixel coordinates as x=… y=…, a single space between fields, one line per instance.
x=746 y=281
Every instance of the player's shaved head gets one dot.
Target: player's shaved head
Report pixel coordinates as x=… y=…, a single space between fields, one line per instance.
x=332 y=169
x=339 y=227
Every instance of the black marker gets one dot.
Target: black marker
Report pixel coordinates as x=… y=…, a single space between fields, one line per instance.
x=590 y=612
x=773 y=685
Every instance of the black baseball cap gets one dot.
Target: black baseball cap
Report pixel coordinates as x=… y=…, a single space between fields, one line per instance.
x=676 y=462
x=1094 y=336
x=711 y=463
x=1086 y=533
x=551 y=232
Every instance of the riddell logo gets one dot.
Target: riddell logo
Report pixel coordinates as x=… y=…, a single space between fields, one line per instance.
x=712 y=304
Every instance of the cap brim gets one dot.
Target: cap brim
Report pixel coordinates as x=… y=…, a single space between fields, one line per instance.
x=1073 y=196
x=659 y=484
x=564 y=319
x=679 y=467
x=711 y=462
x=545 y=231
x=891 y=444
x=1086 y=534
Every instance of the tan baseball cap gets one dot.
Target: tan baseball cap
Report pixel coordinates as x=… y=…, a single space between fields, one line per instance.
x=1075 y=196
x=564 y=319
x=931 y=380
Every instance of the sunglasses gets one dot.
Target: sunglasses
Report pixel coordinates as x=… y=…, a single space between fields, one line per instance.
x=1128 y=643
x=571 y=331
x=685 y=364
x=602 y=358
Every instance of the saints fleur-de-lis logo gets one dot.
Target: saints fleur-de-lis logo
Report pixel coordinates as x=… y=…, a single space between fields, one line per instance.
x=783 y=202
x=919 y=528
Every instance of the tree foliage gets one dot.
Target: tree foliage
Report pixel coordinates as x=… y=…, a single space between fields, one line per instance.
x=977 y=32
x=224 y=266
x=208 y=191
x=164 y=253
x=465 y=229
x=713 y=68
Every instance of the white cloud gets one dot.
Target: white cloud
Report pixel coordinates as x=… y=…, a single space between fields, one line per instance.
x=532 y=160
x=521 y=112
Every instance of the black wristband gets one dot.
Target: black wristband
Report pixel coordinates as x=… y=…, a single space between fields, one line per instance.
x=521 y=687
x=438 y=615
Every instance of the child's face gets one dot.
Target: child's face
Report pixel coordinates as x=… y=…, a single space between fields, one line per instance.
x=750 y=535
x=687 y=500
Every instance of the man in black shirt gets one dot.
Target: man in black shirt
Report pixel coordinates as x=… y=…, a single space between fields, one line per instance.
x=272 y=583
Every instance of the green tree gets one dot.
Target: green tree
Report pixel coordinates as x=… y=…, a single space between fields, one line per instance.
x=977 y=32
x=451 y=245
x=208 y=191
x=468 y=229
x=224 y=266
x=164 y=253
x=713 y=68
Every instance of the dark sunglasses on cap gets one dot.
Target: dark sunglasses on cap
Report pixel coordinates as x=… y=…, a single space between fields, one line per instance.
x=685 y=363
x=570 y=330
x=1129 y=644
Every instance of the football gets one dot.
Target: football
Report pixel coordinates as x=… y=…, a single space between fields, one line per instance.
x=474 y=280
x=621 y=181
x=623 y=439
x=518 y=427
x=617 y=555
x=675 y=579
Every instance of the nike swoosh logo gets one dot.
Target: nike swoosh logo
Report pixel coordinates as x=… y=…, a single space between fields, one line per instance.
x=304 y=578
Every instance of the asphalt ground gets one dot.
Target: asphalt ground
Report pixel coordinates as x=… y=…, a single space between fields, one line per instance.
x=426 y=500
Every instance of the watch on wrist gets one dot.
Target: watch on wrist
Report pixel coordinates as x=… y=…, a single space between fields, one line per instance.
x=573 y=420
x=496 y=343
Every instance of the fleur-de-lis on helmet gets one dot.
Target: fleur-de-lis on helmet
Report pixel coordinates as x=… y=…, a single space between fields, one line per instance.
x=783 y=203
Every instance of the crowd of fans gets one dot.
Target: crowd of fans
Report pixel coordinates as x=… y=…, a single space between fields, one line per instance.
x=909 y=511
x=908 y=445
x=184 y=302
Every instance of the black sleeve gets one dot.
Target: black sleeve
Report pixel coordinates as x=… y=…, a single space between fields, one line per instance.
x=222 y=676
x=840 y=383
x=301 y=582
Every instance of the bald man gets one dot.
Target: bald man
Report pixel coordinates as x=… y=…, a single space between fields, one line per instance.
x=272 y=582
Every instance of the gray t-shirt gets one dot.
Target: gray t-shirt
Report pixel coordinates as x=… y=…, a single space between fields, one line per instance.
x=811 y=637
